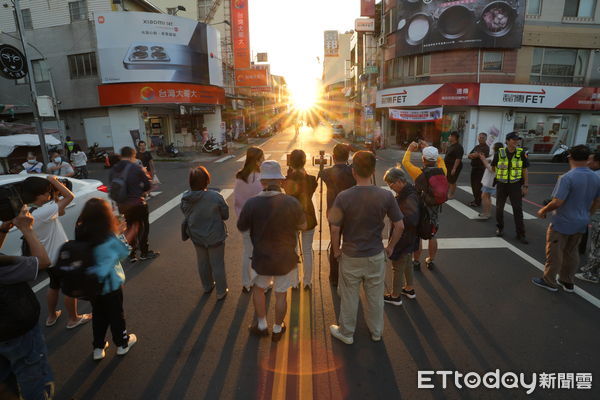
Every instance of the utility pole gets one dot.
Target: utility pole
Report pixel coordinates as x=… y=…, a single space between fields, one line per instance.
x=32 y=87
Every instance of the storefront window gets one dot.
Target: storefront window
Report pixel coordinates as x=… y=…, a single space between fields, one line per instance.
x=551 y=65
x=593 y=138
x=541 y=133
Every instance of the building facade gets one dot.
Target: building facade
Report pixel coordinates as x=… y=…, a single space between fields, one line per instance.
x=546 y=87
x=63 y=41
x=336 y=78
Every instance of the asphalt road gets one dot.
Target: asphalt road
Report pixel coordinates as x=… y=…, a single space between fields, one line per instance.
x=477 y=312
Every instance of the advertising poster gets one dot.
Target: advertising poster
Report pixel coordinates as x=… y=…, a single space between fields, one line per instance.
x=151 y=47
x=241 y=34
x=425 y=26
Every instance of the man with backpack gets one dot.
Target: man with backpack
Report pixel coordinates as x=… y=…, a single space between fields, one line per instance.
x=23 y=353
x=432 y=185
x=337 y=179
x=129 y=183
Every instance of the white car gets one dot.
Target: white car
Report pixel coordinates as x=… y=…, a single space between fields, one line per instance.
x=84 y=189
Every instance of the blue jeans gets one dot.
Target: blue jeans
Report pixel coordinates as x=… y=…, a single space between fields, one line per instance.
x=26 y=358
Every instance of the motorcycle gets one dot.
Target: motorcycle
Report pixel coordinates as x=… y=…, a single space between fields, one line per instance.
x=561 y=153
x=95 y=154
x=173 y=151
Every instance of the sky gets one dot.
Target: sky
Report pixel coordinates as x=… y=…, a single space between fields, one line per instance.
x=291 y=32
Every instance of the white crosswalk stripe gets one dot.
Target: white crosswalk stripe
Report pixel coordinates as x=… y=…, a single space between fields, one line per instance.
x=508 y=208
x=223 y=159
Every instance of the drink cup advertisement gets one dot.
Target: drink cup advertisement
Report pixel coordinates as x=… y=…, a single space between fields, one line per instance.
x=425 y=26
x=150 y=47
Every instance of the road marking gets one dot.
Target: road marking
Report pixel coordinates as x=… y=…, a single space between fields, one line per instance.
x=508 y=208
x=483 y=243
x=154 y=215
x=153 y=194
x=220 y=160
x=463 y=209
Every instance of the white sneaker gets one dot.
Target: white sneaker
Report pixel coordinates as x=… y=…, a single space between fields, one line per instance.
x=122 y=350
x=335 y=332
x=99 y=354
x=375 y=338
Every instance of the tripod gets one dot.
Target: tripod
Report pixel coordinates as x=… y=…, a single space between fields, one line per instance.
x=321 y=167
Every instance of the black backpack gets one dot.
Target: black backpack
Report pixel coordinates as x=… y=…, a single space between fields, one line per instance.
x=19 y=310
x=118 y=185
x=74 y=258
x=428 y=221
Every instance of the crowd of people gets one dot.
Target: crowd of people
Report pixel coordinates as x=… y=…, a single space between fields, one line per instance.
x=277 y=221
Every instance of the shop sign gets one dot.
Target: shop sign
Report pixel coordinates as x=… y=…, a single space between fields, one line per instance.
x=159 y=93
x=251 y=77
x=427 y=115
x=13 y=64
x=536 y=96
x=367 y=8
x=454 y=94
x=204 y=109
x=405 y=96
x=364 y=25
x=241 y=34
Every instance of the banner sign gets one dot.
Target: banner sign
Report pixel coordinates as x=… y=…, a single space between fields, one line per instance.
x=428 y=115
x=367 y=8
x=152 y=47
x=159 y=93
x=331 y=43
x=364 y=25
x=491 y=94
x=262 y=57
x=438 y=25
x=251 y=77
x=241 y=34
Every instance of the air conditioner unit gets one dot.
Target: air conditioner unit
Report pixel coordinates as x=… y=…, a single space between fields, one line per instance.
x=381 y=41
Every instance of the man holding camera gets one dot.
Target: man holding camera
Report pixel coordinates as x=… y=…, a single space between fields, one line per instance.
x=24 y=369
x=361 y=210
x=337 y=179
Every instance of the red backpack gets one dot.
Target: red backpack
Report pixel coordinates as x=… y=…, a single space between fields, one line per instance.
x=432 y=184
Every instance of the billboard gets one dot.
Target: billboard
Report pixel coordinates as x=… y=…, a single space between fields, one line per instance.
x=331 y=44
x=425 y=26
x=241 y=34
x=159 y=93
x=150 y=47
x=251 y=77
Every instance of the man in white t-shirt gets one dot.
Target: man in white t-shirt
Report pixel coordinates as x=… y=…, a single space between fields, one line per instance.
x=57 y=166
x=45 y=208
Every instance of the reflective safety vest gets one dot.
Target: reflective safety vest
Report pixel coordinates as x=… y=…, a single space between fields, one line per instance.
x=70 y=145
x=509 y=171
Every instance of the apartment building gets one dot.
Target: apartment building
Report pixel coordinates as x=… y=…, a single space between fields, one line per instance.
x=336 y=78
x=543 y=84
x=106 y=95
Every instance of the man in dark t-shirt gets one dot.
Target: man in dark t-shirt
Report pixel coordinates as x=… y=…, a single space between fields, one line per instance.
x=146 y=158
x=337 y=179
x=453 y=160
x=273 y=219
x=477 y=167
x=361 y=210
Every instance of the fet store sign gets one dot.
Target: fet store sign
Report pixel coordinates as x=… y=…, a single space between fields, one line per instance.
x=536 y=96
x=405 y=96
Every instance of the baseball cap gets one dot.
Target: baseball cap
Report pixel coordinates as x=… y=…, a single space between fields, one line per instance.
x=270 y=169
x=513 y=135
x=430 y=153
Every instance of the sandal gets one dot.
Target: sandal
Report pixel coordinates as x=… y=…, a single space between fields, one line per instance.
x=50 y=322
x=85 y=318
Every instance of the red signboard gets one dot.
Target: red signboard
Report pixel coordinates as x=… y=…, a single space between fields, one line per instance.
x=240 y=31
x=159 y=93
x=587 y=98
x=251 y=77
x=367 y=8
x=454 y=94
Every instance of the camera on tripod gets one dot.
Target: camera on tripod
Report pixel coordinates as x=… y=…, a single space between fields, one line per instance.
x=323 y=160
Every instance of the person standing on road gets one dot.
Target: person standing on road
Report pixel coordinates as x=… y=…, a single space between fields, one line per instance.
x=302 y=187
x=135 y=208
x=575 y=196
x=23 y=352
x=273 y=219
x=431 y=159
x=32 y=165
x=361 y=211
x=205 y=212
x=487 y=183
x=453 y=161
x=98 y=226
x=510 y=164
x=57 y=166
x=408 y=201
x=337 y=178
x=590 y=271
x=477 y=167
x=39 y=193
x=146 y=158
x=79 y=160
x=247 y=185
x=69 y=146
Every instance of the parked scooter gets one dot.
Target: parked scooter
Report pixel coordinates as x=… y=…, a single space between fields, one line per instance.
x=173 y=151
x=96 y=154
x=561 y=153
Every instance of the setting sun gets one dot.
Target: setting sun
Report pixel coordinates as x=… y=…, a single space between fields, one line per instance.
x=303 y=94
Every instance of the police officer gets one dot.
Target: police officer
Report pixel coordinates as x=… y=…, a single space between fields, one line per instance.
x=69 y=145
x=510 y=164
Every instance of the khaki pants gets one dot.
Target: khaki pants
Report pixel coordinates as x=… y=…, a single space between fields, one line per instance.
x=370 y=271
x=562 y=257
x=403 y=273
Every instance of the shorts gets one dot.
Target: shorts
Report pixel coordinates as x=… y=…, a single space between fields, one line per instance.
x=54 y=281
x=453 y=178
x=487 y=189
x=281 y=283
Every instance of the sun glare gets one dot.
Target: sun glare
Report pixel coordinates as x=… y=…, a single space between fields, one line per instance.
x=303 y=95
